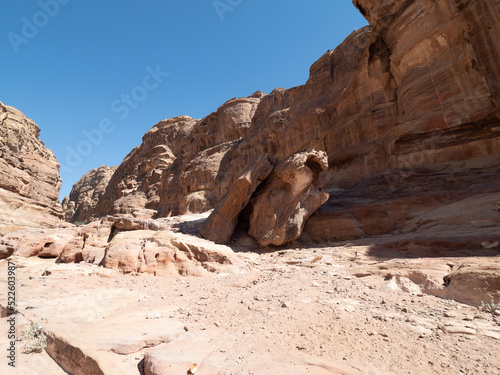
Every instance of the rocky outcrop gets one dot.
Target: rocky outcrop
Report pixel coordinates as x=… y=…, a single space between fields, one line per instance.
x=221 y=223
x=80 y=204
x=285 y=196
x=165 y=253
x=407 y=111
x=29 y=175
x=290 y=195
x=129 y=245
x=178 y=167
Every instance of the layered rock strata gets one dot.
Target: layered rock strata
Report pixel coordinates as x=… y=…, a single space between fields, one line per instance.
x=29 y=175
x=178 y=167
x=406 y=109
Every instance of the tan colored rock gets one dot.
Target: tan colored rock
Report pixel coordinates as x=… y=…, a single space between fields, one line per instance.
x=166 y=253
x=220 y=225
x=178 y=167
x=473 y=284
x=85 y=194
x=136 y=182
x=407 y=110
x=29 y=175
x=332 y=227
x=288 y=197
x=47 y=243
x=88 y=244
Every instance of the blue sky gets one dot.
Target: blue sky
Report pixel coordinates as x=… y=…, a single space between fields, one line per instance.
x=96 y=75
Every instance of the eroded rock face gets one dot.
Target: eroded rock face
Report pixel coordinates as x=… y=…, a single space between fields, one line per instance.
x=288 y=197
x=29 y=175
x=407 y=110
x=221 y=223
x=129 y=245
x=178 y=166
x=165 y=253
x=48 y=243
x=80 y=204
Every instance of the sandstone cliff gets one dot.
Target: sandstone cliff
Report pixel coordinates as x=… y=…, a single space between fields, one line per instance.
x=179 y=165
x=29 y=175
x=81 y=202
x=407 y=110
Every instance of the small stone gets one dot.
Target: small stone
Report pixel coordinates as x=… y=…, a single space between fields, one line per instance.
x=154 y=315
x=285 y=305
x=186 y=328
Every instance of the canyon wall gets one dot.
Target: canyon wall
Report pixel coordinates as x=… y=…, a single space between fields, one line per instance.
x=86 y=193
x=406 y=109
x=29 y=175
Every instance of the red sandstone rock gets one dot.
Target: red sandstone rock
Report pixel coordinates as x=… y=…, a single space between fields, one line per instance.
x=80 y=205
x=166 y=253
x=47 y=243
x=288 y=197
x=88 y=244
x=221 y=223
x=29 y=175
x=407 y=110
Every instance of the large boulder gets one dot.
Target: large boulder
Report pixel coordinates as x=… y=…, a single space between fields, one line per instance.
x=221 y=223
x=166 y=253
x=289 y=196
x=43 y=243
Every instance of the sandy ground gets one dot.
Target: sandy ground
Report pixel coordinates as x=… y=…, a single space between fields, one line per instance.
x=329 y=310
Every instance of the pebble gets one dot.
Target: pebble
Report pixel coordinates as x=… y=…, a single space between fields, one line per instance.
x=154 y=315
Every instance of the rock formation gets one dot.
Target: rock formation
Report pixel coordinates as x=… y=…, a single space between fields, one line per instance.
x=130 y=245
x=407 y=111
x=220 y=225
x=89 y=189
x=290 y=195
x=178 y=167
x=29 y=175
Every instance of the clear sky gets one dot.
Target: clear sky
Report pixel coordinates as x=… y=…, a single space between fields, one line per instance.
x=95 y=75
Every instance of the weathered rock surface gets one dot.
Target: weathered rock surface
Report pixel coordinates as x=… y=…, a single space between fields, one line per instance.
x=278 y=317
x=48 y=243
x=129 y=245
x=80 y=204
x=406 y=109
x=221 y=223
x=166 y=253
x=29 y=175
x=178 y=167
x=288 y=197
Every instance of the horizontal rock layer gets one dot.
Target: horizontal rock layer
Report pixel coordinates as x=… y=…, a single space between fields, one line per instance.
x=405 y=109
